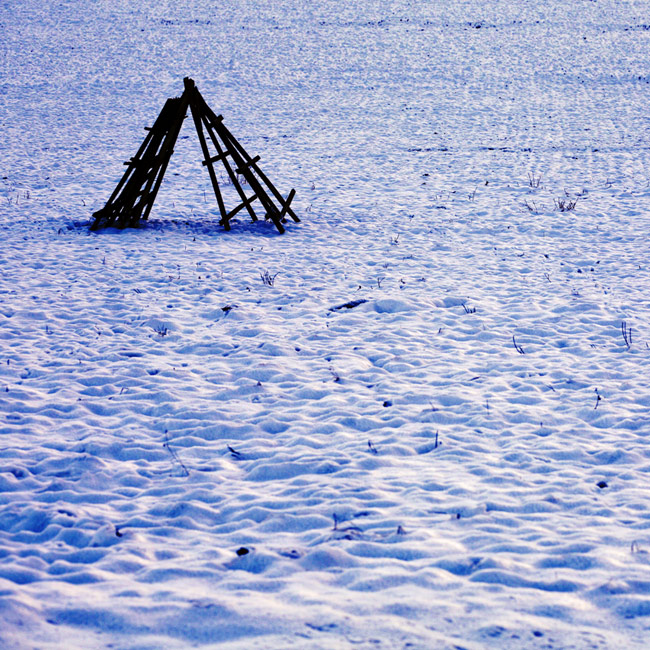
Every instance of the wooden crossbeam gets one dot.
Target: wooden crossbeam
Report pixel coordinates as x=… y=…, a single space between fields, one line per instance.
x=240 y=170
x=216 y=158
x=243 y=204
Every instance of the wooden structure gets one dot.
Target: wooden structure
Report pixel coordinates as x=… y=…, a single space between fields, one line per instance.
x=135 y=194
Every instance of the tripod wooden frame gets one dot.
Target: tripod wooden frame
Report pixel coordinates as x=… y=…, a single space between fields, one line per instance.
x=136 y=192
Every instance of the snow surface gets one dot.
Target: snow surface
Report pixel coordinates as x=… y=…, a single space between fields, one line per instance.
x=458 y=458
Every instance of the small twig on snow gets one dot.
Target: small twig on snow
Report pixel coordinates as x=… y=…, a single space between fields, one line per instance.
x=627 y=334
x=517 y=347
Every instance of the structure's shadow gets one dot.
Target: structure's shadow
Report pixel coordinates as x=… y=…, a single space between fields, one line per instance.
x=209 y=226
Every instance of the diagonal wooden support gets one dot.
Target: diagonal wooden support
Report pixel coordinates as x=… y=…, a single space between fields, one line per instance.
x=208 y=160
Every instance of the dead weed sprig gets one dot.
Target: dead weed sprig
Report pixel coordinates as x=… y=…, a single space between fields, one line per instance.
x=267 y=278
x=565 y=204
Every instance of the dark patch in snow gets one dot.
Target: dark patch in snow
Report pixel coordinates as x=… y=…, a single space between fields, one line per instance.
x=349 y=305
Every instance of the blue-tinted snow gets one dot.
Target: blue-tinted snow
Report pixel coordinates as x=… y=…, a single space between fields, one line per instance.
x=189 y=457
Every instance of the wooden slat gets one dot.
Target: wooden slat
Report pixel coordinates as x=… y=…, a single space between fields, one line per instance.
x=244 y=204
x=216 y=158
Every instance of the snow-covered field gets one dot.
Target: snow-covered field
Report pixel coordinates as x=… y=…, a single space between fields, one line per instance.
x=190 y=457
